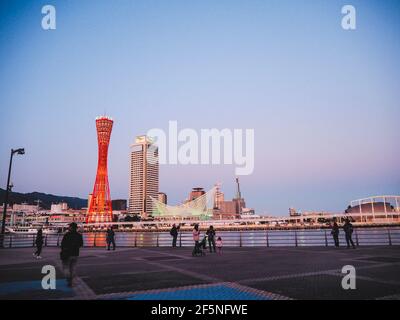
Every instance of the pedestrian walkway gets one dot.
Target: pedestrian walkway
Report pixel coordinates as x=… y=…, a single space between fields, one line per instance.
x=238 y=274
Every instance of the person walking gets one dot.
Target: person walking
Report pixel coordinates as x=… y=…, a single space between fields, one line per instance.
x=39 y=244
x=70 y=245
x=348 y=230
x=110 y=239
x=211 y=238
x=174 y=233
x=335 y=234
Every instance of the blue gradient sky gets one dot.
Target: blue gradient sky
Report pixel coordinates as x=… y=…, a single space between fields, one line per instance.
x=324 y=102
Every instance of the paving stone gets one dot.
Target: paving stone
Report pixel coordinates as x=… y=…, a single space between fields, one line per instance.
x=214 y=292
x=325 y=287
x=141 y=281
x=32 y=290
x=389 y=273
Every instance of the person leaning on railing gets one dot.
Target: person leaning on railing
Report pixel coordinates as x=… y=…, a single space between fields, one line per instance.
x=335 y=234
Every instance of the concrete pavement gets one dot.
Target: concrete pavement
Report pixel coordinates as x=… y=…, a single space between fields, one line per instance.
x=251 y=273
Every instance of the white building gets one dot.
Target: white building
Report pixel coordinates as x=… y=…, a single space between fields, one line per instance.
x=24 y=207
x=58 y=207
x=144 y=176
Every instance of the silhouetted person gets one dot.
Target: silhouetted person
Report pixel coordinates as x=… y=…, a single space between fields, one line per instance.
x=110 y=238
x=211 y=238
x=335 y=234
x=174 y=233
x=70 y=245
x=348 y=230
x=39 y=244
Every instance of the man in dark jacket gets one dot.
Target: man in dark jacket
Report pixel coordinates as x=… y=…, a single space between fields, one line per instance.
x=39 y=244
x=211 y=238
x=174 y=234
x=110 y=238
x=70 y=245
x=348 y=230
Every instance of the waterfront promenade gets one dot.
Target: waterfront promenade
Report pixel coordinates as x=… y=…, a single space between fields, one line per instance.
x=239 y=273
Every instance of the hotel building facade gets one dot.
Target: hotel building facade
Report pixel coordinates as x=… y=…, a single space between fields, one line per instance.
x=144 y=176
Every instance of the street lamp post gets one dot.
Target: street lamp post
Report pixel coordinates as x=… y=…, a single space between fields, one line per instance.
x=3 y=225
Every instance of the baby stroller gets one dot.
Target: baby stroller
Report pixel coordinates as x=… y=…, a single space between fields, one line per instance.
x=199 y=247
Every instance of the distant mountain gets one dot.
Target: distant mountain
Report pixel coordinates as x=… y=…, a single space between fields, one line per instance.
x=45 y=199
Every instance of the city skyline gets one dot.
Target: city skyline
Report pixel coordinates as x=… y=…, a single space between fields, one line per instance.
x=323 y=101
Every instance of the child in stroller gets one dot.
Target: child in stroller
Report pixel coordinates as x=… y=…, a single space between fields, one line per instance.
x=199 y=247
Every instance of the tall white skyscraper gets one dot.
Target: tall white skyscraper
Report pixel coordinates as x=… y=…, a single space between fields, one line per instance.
x=144 y=171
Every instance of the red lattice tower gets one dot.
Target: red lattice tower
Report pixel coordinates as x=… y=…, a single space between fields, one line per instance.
x=100 y=209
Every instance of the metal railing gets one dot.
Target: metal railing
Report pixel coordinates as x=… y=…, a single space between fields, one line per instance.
x=257 y=238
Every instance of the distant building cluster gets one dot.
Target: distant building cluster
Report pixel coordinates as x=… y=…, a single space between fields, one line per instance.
x=32 y=215
x=144 y=191
x=231 y=209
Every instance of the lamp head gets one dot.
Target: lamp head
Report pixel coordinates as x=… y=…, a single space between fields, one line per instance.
x=20 y=151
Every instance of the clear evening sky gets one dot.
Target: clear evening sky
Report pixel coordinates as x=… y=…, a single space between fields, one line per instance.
x=324 y=102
